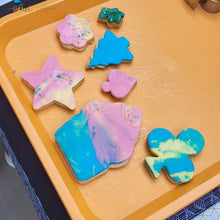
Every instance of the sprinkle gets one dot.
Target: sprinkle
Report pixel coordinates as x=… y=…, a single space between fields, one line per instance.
x=14 y=71
x=37 y=90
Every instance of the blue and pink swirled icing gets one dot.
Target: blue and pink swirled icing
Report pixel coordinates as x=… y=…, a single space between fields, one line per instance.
x=102 y=135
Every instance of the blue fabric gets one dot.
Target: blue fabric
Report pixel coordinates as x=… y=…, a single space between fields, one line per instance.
x=198 y=206
x=36 y=202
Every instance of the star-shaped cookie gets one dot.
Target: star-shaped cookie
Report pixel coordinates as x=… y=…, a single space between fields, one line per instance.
x=53 y=84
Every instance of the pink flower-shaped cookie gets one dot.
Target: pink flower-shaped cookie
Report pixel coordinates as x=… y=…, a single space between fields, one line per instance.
x=119 y=84
x=75 y=33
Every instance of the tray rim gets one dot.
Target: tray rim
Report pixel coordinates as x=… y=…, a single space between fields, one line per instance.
x=32 y=125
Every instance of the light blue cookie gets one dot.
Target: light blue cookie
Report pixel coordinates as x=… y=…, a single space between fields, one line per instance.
x=111 y=50
x=172 y=153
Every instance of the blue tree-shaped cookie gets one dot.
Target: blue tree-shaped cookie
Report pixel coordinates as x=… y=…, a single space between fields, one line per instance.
x=172 y=153
x=110 y=50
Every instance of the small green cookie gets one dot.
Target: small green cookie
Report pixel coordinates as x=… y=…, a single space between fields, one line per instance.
x=111 y=16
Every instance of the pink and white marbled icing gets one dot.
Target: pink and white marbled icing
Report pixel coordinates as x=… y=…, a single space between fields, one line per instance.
x=53 y=84
x=114 y=129
x=75 y=32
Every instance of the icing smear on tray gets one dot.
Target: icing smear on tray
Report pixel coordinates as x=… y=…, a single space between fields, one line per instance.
x=102 y=135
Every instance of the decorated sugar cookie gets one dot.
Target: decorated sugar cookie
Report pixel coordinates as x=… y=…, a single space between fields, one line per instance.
x=75 y=33
x=102 y=135
x=53 y=84
x=111 y=16
x=119 y=84
x=172 y=153
x=110 y=50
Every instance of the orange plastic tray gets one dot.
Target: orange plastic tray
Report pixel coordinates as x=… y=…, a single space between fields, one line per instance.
x=176 y=61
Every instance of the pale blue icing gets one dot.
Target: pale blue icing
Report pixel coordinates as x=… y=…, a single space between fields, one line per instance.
x=111 y=50
x=172 y=153
x=74 y=139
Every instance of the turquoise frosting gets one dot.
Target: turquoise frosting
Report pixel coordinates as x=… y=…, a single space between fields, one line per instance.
x=172 y=153
x=86 y=166
x=111 y=50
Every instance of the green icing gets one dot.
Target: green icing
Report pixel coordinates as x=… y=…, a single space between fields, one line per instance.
x=112 y=15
